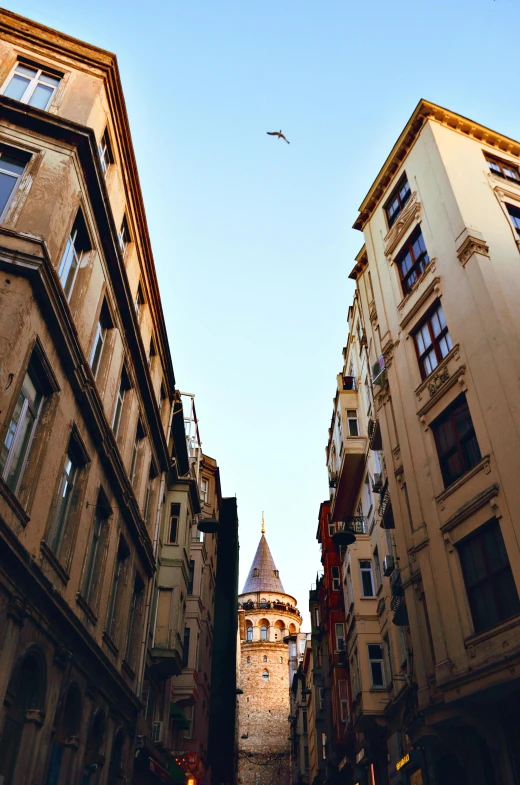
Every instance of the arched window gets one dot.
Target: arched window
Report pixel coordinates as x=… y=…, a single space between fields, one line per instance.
x=249 y=660
x=68 y=724
x=263 y=632
x=265 y=657
x=96 y=739
x=265 y=675
x=263 y=603
x=281 y=659
x=249 y=636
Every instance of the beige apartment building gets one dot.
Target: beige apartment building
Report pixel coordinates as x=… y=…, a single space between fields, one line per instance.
x=437 y=301
x=86 y=399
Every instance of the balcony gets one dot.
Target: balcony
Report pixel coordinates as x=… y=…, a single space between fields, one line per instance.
x=349 y=475
x=167 y=654
x=397 y=601
x=347 y=530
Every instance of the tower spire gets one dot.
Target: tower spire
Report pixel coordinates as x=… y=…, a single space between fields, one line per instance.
x=263 y=524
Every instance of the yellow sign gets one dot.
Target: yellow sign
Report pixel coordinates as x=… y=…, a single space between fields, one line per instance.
x=400 y=763
x=190 y=781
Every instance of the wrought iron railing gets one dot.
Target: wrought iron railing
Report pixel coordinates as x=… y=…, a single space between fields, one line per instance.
x=357 y=524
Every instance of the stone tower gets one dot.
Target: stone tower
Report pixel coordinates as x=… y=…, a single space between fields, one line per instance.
x=269 y=619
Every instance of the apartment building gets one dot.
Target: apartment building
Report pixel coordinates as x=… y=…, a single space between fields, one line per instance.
x=86 y=399
x=437 y=296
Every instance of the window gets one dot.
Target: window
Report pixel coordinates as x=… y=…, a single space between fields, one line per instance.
x=336 y=581
x=367 y=578
x=332 y=529
x=377 y=567
x=133 y=639
x=96 y=354
x=173 y=523
x=503 y=169
x=317 y=617
x=118 y=581
x=151 y=352
x=124 y=386
x=66 y=487
x=352 y=420
x=388 y=657
x=265 y=675
x=189 y=712
x=306 y=755
x=514 y=214
x=375 y=659
x=432 y=341
x=303 y=643
x=139 y=301
x=263 y=632
x=265 y=657
x=457 y=445
x=249 y=660
x=95 y=553
x=22 y=428
x=191 y=576
x=186 y=647
x=488 y=577
x=323 y=745
x=12 y=165
x=139 y=436
x=398 y=199
x=249 y=634
x=367 y=396
x=354 y=673
x=344 y=708
x=412 y=260
x=350 y=591
x=106 y=156
x=281 y=659
x=32 y=85
x=340 y=637
x=204 y=490
x=292 y=649
x=124 y=237
x=304 y=721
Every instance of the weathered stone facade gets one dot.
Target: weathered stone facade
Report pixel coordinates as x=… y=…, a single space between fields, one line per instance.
x=270 y=620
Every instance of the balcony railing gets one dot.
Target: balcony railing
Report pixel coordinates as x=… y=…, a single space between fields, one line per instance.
x=357 y=524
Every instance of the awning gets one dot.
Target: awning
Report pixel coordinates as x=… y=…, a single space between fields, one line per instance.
x=177 y=775
x=178 y=716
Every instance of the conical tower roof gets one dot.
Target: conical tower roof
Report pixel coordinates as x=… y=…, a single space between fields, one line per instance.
x=263 y=575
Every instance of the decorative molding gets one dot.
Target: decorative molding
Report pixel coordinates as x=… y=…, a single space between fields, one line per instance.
x=437 y=380
x=482 y=464
x=467 y=509
x=411 y=213
x=433 y=287
x=85 y=607
x=35 y=716
x=454 y=354
x=437 y=394
x=16 y=610
x=51 y=557
x=471 y=245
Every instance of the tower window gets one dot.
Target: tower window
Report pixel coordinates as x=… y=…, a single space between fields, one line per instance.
x=249 y=634
x=263 y=632
x=265 y=658
x=256 y=572
x=249 y=660
x=265 y=675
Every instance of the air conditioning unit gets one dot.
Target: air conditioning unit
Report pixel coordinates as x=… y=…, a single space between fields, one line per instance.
x=379 y=372
x=388 y=565
x=377 y=485
x=157 y=732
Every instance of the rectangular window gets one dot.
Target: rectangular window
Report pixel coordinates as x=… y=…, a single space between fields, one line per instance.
x=32 y=85
x=96 y=353
x=344 y=707
x=488 y=577
x=375 y=659
x=139 y=436
x=352 y=420
x=332 y=529
x=503 y=169
x=321 y=698
x=124 y=237
x=304 y=721
x=388 y=656
x=66 y=487
x=377 y=567
x=124 y=386
x=367 y=578
x=303 y=643
x=397 y=200
x=12 y=166
x=324 y=746
x=189 y=712
x=77 y=246
x=186 y=647
x=456 y=442
x=336 y=580
x=317 y=617
x=133 y=639
x=173 y=523
x=514 y=214
x=432 y=341
x=150 y=483
x=151 y=352
x=139 y=301
x=340 y=637
x=114 y=605
x=21 y=430
x=412 y=260
x=191 y=576
x=367 y=396
x=204 y=490
x=95 y=552
x=350 y=591
x=106 y=156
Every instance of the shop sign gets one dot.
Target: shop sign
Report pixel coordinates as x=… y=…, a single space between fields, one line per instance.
x=343 y=763
x=404 y=760
x=360 y=756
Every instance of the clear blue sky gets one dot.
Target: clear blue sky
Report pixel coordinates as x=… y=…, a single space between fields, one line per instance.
x=252 y=238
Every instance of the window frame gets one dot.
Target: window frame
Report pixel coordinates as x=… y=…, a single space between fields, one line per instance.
x=376 y=661
x=62 y=508
x=367 y=570
x=335 y=579
x=105 y=152
x=78 y=246
x=422 y=261
x=513 y=212
x=34 y=82
x=353 y=418
x=337 y=637
x=448 y=415
x=95 y=555
x=501 y=163
x=23 y=157
x=174 y=516
x=124 y=238
x=403 y=201
x=435 y=341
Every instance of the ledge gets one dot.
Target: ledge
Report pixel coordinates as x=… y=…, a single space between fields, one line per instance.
x=445 y=382
x=85 y=607
x=110 y=643
x=58 y=568
x=484 y=463
x=128 y=670
x=470 y=507
x=504 y=626
x=423 y=298
x=13 y=503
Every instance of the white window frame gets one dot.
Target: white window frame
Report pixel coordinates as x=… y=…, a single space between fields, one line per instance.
x=344 y=705
x=68 y=480
x=376 y=660
x=99 y=337
x=340 y=637
x=336 y=579
x=33 y=82
x=118 y=411
x=14 y=175
x=105 y=152
x=368 y=570
x=204 y=490
x=351 y=419
x=124 y=237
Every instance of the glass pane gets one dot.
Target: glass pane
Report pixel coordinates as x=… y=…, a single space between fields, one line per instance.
x=483 y=608
x=71 y=275
x=430 y=362
x=16 y=87
x=26 y=70
x=7 y=184
x=9 y=163
x=41 y=96
x=368 y=589
x=426 y=337
x=20 y=448
x=377 y=673
x=48 y=79
x=436 y=325
x=11 y=431
x=506 y=594
x=375 y=652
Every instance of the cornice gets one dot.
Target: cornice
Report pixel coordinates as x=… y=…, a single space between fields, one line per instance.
x=425 y=110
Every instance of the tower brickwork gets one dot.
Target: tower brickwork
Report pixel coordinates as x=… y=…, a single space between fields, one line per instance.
x=270 y=619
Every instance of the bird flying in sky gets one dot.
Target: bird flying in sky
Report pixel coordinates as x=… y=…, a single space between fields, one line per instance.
x=278 y=134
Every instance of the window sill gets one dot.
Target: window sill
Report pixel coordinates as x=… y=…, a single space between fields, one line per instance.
x=484 y=463
x=485 y=635
x=128 y=670
x=13 y=503
x=54 y=562
x=85 y=607
x=110 y=643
